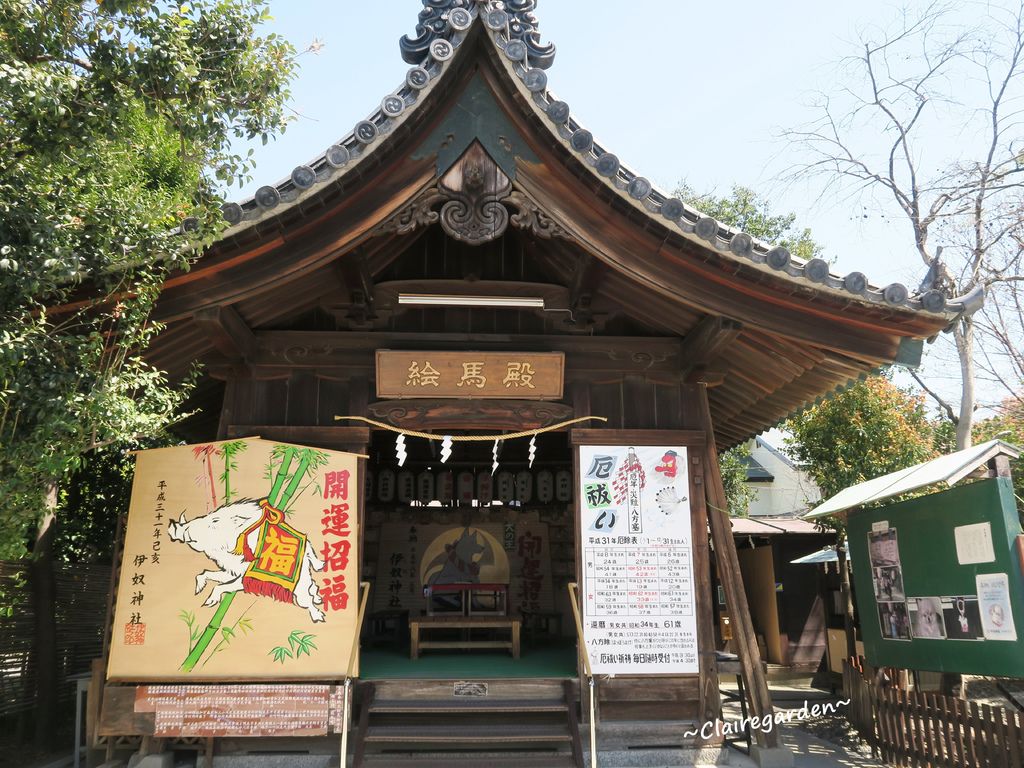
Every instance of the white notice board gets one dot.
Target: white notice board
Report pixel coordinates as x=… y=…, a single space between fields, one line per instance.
x=639 y=606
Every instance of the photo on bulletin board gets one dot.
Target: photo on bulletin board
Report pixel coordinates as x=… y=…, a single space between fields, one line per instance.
x=926 y=618
x=962 y=618
x=994 y=606
x=889 y=584
x=883 y=548
x=894 y=621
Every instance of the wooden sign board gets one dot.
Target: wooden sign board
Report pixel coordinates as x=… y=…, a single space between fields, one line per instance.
x=238 y=710
x=221 y=711
x=498 y=375
x=240 y=563
x=639 y=593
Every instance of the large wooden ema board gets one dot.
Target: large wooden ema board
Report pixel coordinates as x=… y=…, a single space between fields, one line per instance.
x=240 y=563
x=938 y=581
x=639 y=602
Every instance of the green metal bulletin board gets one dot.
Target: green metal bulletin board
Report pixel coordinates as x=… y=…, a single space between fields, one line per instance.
x=938 y=581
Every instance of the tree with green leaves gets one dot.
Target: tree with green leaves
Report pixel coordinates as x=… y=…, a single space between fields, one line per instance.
x=733 y=465
x=118 y=118
x=871 y=429
x=746 y=210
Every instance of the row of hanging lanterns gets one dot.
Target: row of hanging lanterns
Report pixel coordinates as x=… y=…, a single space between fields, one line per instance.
x=465 y=487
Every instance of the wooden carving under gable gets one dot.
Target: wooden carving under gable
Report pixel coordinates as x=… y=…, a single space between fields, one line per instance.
x=474 y=196
x=475 y=186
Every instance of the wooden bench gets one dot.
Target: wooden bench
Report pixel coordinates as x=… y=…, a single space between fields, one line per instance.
x=467 y=623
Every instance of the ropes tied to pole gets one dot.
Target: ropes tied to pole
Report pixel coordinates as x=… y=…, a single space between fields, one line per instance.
x=471 y=438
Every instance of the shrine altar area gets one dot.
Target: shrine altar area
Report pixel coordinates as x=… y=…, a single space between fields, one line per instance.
x=513 y=549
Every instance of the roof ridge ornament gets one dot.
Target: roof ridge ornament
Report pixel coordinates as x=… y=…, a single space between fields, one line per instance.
x=441 y=19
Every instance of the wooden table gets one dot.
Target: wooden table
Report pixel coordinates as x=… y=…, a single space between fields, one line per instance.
x=511 y=623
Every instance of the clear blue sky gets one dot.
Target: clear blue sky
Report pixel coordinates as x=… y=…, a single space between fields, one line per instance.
x=680 y=90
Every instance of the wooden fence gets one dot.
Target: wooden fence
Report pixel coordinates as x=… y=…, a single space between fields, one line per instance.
x=926 y=730
x=81 y=608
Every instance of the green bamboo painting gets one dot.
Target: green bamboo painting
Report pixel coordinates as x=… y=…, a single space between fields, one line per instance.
x=258 y=567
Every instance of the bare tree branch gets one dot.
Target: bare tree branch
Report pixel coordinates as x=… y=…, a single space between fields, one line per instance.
x=952 y=70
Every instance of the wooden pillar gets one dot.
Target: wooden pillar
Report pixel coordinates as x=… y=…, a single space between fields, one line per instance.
x=732 y=582
x=710 y=695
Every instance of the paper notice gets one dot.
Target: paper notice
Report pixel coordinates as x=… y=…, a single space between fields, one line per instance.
x=974 y=544
x=994 y=606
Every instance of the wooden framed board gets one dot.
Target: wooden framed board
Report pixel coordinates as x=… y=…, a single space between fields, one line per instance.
x=240 y=562
x=938 y=581
x=467 y=375
x=638 y=567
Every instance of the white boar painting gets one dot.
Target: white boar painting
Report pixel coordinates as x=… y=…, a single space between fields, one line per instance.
x=240 y=561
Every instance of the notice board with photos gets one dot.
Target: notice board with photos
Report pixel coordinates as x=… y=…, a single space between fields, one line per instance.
x=938 y=581
x=639 y=598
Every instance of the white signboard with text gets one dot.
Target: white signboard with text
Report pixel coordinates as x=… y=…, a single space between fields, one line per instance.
x=639 y=606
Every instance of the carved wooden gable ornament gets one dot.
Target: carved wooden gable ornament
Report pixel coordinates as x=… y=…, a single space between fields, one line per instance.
x=473 y=195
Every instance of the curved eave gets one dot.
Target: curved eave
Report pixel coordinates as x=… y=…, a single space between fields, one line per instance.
x=673 y=217
x=747 y=258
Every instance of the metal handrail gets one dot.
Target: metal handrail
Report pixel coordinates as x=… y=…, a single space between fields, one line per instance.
x=364 y=588
x=574 y=599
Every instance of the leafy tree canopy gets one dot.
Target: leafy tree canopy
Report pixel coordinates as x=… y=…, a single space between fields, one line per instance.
x=750 y=212
x=871 y=429
x=118 y=118
x=734 y=477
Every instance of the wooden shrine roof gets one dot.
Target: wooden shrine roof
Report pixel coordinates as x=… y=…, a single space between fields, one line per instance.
x=771 y=332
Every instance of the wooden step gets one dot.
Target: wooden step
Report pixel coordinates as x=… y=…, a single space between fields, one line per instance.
x=504 y=689
x=481 y=705
x=468 y=734
x=475 y=758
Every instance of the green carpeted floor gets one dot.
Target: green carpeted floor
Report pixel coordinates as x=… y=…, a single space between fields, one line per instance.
x=534 y=661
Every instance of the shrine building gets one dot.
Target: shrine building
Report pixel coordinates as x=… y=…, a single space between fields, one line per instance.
x=469 y=262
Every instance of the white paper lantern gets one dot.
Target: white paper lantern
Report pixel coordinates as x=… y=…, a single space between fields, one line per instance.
x=406 y=490
x=524 y=487
x=484 y=488
x=445 y=487
x=506 y=486
x=466 y=486
x=563 y=485
x=386 y=485
x=425 y=487
x=545 y=486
